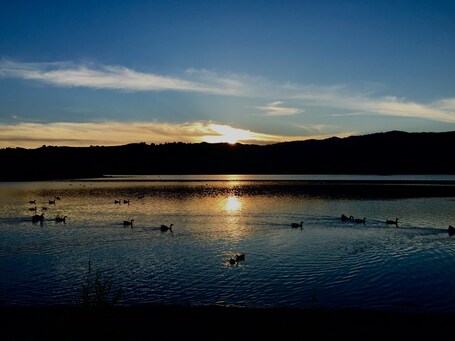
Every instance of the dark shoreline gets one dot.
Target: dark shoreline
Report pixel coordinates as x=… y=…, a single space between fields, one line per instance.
x=168 y=322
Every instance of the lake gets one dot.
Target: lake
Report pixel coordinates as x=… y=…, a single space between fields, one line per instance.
x=327 y=262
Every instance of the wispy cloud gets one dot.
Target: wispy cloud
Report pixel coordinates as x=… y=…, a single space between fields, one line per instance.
x=324 y=131
x=276 y=109
x=67 y=74
x=32 y=135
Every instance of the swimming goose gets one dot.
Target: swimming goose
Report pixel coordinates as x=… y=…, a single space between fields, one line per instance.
x=240 y=256
x=392 y=221
x=32 y=202
x=126 y=201
x=358 y=221
x=32 y=209
x=297 y=225
x=165 y=228
x=38 y=217
x=59 y=220
x=237 y=258
x=345 y=218
x=128 y=223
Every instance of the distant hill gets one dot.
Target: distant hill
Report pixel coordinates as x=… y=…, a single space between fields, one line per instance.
x=392 y=152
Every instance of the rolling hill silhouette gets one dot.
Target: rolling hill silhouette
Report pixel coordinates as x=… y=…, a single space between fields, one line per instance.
x=392 y=152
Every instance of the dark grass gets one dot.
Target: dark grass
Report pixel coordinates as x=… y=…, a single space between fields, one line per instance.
x=181 y=322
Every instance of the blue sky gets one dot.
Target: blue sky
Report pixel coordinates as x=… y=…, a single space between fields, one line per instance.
x=113 y=72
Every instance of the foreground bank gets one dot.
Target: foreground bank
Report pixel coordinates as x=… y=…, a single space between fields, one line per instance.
x=215 y=323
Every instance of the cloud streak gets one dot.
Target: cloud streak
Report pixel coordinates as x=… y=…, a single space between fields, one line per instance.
x=276 y=109
x=65 y=74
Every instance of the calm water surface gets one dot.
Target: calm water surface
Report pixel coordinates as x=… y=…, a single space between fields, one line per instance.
x=328 y=262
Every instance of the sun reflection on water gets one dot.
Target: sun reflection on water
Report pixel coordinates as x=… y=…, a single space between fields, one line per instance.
x=233 y=204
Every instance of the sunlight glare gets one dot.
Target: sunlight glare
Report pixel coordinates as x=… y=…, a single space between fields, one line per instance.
x=233 y=204
x=228 y=134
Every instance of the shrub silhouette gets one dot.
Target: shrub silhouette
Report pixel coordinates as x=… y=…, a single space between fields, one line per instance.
x=97 y=290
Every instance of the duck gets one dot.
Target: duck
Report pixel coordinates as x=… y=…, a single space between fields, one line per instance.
x=59 y=219
x=126 y=201
x=346 y=218
x=32 y=209
x=388 y=221
x=358 y=221
x=117 y=201
x=52 y=202
x=128 y=223
x=451 y=230
x=165 y=228
x=297 y=225
x=32 y=202
x=38 y=217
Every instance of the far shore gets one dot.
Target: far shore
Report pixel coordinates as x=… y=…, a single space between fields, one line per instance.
x=214 y=322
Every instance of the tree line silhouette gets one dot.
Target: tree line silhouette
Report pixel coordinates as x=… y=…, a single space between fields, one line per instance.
x=385 y=153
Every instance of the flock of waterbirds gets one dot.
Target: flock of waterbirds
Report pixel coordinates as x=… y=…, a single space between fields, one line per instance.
x=450 y=230
x=233 y=260
x=163 y=228
x=40 y=217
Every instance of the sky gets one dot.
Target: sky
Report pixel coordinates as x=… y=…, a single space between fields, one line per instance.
x=84 y=73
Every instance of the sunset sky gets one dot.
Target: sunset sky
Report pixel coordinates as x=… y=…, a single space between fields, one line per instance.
x=113 y=72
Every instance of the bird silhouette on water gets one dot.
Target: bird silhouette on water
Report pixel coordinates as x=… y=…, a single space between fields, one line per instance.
x=360 y=221
x=164 y=228
x=38 y=217
x=294 y=225
x=346 y=218
x=237 y=258
x=128 y=223
x=451 y=230
x=390 y=222
x=61 y=220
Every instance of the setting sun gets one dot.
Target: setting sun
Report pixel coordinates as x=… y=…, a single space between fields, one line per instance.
x=228 y=134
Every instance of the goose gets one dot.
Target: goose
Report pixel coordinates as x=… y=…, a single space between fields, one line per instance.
x=38 y=217
x=126 y=201
x=32 y=209
x=297 y=225
x=165 y=228
x=128 y=223
x=451 y=230
x=239 y=257
x=32 y=202
x=117 y=201
x=52 y=202
x=345 y=218
x=360 y=220
x=59 y=220
x=392 y=221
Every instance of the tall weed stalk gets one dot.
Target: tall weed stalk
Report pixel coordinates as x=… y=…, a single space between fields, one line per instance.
x=97 y=290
